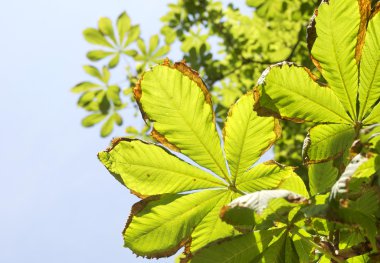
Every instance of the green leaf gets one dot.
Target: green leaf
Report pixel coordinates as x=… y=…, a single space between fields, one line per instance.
x=118 y=120
x=149 y=169
x=329 y=141
x=93 y=71
x=93 y=36
x=212 y=228
x=244 y=144
x=374 y=116
x=105 y=27
x=294 y=184
x=162 y=51
x=369 y=88
x=107 y=127
x=141 y=45
x=153 y=43
x=93 y=119
x=106 y=75
x=96 y=55
x=290 y=92
x=243 y=248
x=322 y=177
x=114 y=61
x=84 y=86
x=266 y=175
x=304 y=249
x=133 y=35
x=123 y=26
x=130 y=52
x=177 y=102
x=160 y=225
x=113 y=93
x=334 y=48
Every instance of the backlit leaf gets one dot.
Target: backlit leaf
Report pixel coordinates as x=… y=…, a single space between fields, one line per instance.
x=369 y=88
x=244 y=144
x=290 y=92
x=176 y=100
x=335 y=46
x=93 y=36
x=149 y=169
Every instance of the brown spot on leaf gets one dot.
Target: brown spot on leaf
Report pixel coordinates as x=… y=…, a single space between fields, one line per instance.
x=160 y=138
x=364 y=10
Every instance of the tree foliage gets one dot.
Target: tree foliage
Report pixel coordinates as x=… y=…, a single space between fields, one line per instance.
x=200 y=187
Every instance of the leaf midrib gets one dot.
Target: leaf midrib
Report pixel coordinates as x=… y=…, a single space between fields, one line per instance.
x=166 y=170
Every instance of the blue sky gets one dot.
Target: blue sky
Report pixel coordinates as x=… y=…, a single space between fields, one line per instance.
x=57 y=202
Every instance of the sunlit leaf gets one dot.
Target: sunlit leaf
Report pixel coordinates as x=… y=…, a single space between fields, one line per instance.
x=107 y=127
x=334 y=48
x=93 y=119
x=290 y=92
x=244 y=145
x=149 y=169
x=180 y=108
x=105 y=27
x=93 y=36
x=369 y=87
x=123 y=26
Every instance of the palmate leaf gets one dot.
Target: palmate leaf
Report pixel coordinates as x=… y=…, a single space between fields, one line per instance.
x=346 y=53
x=181 y=202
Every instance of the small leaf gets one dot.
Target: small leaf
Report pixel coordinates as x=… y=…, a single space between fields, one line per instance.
x=133 y=35
x=162 y=51
x=130 y=52
x=93 y=71
x=153 y=43
x=93 y=119
x=106 y=75
x=118 y=120
x=107 y=127
x=123 y=26
x=141 y=45
x=105 y=27
x=114 y=61
x=93 y=36
x=113 y=93
x=96 y=55
x=84 y=86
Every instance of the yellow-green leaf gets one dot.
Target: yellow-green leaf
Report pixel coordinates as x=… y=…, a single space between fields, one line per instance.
x=123 y=25
x=148 y=169
x=247 y=136
x=93 y=36
x=175 y=99
x=329 y=141
x=159 y=226
x=264 y=176
x=105 y=27
x=337 y=27
x=290 y=92
x=369 y=88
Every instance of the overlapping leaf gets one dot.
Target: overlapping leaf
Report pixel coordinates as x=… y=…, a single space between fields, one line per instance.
x=181 y=202
x=347 y=54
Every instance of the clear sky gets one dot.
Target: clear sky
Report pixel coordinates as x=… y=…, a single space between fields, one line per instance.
x=57 y=202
